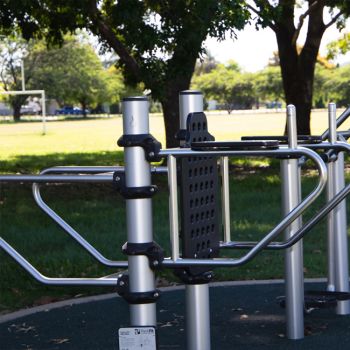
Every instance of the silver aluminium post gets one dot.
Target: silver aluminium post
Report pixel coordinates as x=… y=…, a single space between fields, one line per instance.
x=291 y=197
x=225 y=198
x=332 y=137
x=138 y=211
x=338 y=259
x=197 y=295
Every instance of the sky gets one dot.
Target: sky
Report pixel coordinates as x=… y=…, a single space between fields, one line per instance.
x=252 y=48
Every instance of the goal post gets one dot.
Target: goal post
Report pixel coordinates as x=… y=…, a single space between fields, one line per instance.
x=32 y=92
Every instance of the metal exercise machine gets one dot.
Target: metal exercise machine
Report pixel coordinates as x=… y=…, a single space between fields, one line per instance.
x=193 y=173
x=337 y=293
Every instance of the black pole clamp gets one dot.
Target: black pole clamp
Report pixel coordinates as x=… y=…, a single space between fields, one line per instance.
x=189 y=278
x=152 y=250
x=132 y=192
x=150 y=145
x=135 y=297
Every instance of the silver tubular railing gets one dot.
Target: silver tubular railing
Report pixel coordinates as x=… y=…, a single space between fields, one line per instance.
x=279 y=228
x=54 y=281
x=93 y=177
x=340 y=120
x=96 y=174
x=326 y=209
x=74 y=234
x=303 y=230
x=64 y=225
x=225 y=198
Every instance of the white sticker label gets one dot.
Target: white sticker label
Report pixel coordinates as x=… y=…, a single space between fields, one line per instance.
x=143 y=338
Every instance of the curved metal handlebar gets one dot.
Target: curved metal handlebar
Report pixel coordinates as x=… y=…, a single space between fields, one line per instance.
x=178 y=262
x=288 y=219
x=64 y=225
x=312 y=222
x=36 y=191
x=54 y=281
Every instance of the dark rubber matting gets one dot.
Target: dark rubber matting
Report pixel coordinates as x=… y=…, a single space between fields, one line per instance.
x=242 y=317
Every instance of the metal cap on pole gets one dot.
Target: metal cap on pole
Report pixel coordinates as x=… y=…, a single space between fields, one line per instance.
x=190 y=101
x=332 y=121
x=292 y=127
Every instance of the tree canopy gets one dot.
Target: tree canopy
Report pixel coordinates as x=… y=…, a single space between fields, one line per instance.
x=298 y=66
x=227 y=85
x=157 y=41
x=15 y=52
x=73 y=73
x=70 y=74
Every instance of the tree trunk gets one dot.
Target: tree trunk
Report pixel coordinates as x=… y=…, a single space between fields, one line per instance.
x=16 y=111
x=170 y=105
x=175 y=81
x=83 y=107
x=298 y=69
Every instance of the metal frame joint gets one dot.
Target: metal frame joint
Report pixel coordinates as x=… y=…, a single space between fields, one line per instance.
x=152 y=250
x=148 y=142
x=132 y=192
x=123 y=290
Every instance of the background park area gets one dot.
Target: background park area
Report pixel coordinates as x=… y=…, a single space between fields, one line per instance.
x=97 y=211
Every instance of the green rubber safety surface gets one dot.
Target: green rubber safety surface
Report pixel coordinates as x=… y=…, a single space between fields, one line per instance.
x=242 y=317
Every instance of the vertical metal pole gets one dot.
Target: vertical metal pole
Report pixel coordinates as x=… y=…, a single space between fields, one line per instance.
x=341 y=240
x=190 y=101
x=197 y=296
x=43 y=111
x=138 y=211
x=197 y=317
x=339 y=234
x=291 y=196
x=22 y=76
x=225 y=198
x=332 y=137
x=173 y=208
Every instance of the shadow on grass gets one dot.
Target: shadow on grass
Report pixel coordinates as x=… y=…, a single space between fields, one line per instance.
x=34 y=163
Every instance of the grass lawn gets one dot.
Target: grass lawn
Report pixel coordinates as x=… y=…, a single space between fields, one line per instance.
x=101 y=135
x=98 y=213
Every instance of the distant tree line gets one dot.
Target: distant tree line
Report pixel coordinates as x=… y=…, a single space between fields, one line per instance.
x=232 y=88
x=71 y=74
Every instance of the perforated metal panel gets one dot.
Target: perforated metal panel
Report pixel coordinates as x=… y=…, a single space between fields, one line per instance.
x=199 y=191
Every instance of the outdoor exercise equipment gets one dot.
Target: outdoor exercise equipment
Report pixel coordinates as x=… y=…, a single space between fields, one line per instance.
x=193 y=174
x=337 y=293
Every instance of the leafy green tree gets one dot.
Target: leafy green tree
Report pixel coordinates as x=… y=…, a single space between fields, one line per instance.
x=298 y=67
x=338 y=47
x=14 y=50
x=268 y=84
x=323 y=75
x=73 y=73
x=337 y=85
x=157 y=41
x=227 y=85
